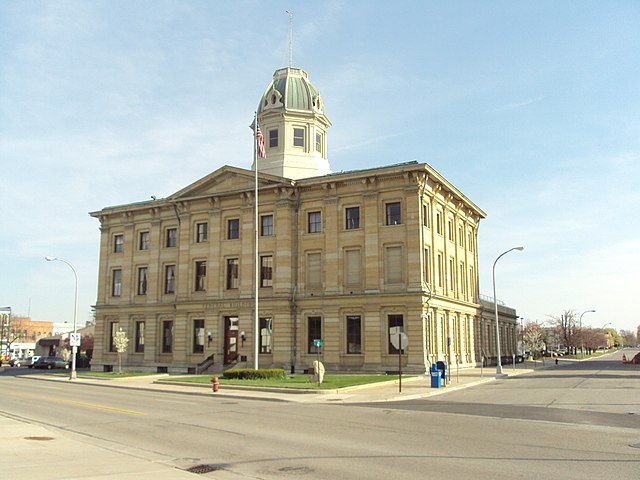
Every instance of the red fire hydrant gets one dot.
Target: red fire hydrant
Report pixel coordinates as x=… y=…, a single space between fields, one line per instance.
x=216 y=384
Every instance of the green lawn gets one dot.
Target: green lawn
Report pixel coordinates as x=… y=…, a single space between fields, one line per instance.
x=296 y=381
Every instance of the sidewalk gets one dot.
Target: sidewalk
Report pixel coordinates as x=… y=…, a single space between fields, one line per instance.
x=412 y=388
x=30 y=447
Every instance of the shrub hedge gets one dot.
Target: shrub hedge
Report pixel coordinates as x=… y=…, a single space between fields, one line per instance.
x=249 y=374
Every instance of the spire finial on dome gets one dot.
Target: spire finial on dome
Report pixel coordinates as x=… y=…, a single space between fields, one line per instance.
x=290 y=13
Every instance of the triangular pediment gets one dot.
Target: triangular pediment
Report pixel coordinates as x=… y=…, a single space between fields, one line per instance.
x=227 y=180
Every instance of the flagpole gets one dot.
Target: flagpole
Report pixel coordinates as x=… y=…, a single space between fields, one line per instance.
x=256 y=326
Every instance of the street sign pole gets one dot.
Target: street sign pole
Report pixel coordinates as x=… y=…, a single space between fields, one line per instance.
x=399 y=362
x=318 y=342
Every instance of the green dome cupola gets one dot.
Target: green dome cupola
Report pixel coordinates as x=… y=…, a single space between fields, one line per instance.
x=291 y=117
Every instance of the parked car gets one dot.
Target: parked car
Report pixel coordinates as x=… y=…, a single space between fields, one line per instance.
x=31 y=361
x=51 y=362
x=16 y=362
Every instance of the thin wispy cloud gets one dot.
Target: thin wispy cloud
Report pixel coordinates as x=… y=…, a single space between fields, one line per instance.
x=515 y=105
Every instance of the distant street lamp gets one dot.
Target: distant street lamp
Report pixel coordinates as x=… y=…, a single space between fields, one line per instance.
x=581 y=334
x=74 y=348
x=608 y=323
x=495 y=305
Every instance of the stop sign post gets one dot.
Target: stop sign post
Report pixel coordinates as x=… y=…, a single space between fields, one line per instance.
x=400 y=341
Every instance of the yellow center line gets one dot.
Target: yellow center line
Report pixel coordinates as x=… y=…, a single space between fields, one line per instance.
x=73 y=402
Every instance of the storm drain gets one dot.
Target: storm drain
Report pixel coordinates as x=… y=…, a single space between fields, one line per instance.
x=41 y=439
x=204 y=468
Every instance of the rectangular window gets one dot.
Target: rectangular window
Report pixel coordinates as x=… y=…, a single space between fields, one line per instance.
x=202 y=232
x=396 y=325
x=171 y=237
x=266 y=225
x=198 y=336
x=314 y=270
x=232 y=273
x=452 y=275
x=116 y=282
x=118 y=243
x=450 y=230
x=472 y=284
x=139 y=337
x=438 y=223
x=427 y=265
x=266 y=271
x=113 y=329
x=440 y=271
x=167 y=336
x=233 y=229
x=142 y=280
x=170 y=279
x=393 y=264
x=463 y=275
x=201 y=276
x=265 y=335
x=394 y=216
x=354 y=334
x=318 y=142
x=273 y=138
x=426 y=220
x=143 y=242
x=460 y=236
x=352 y=218
x=315 y=222
x=298 y=137
x=352 y=267
x=314 y=332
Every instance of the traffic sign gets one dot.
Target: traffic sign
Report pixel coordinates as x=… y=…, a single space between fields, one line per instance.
x=399 y=340
x=74 y=339
x=318 y=342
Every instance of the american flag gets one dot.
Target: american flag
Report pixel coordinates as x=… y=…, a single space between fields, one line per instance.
x=260 y=143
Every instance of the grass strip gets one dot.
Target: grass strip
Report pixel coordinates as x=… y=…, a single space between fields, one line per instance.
x=295 y=381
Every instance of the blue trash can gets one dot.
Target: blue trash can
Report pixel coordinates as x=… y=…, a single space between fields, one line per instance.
x=436 y=377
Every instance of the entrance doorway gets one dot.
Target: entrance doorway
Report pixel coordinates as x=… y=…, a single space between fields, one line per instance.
x=230 y=340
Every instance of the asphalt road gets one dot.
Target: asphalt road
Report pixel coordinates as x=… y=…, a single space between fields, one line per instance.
x=569 y=422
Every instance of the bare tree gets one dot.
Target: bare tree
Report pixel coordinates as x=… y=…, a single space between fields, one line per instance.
x=121 y=341
x=566 y=327
x=534 y=336
x=17 y=331
x=593 y=338
x=629 y=338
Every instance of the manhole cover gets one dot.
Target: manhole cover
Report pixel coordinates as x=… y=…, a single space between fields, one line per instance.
x=41 y=439
x=203 y=468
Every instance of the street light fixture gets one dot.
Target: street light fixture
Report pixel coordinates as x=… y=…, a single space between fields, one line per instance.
x=495 y=306
x=74 y=348
x=581 y=333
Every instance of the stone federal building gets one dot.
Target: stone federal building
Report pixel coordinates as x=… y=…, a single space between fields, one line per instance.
x=351 y=258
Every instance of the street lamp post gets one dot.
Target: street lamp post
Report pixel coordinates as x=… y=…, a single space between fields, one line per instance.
x=74 y=348
x=495 y=305
x=425 y=324
x=608 y=323
x=581 y=333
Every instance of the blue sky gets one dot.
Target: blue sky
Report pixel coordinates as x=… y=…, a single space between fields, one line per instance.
x=531 y=108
